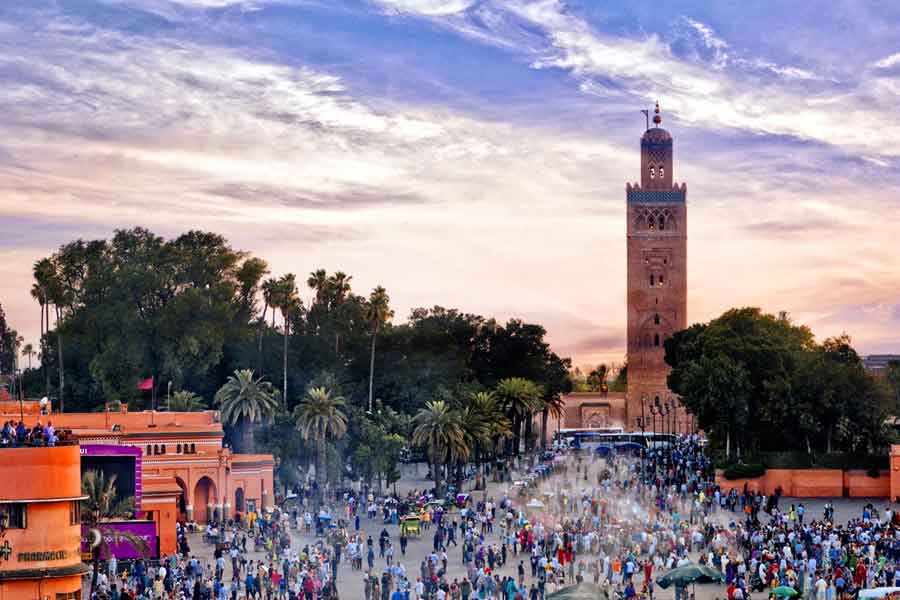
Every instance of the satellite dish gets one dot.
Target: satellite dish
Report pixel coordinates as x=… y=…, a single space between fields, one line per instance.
x=96 y=537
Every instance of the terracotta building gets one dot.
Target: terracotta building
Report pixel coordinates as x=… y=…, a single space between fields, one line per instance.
x=40 y=537
x=185 y=472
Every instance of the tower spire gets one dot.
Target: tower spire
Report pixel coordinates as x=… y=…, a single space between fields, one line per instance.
x=656 y=118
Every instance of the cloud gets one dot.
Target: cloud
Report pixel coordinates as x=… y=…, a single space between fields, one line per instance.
x=428 y=8
x=500 y=193
x=888 y=62
x=814 y=225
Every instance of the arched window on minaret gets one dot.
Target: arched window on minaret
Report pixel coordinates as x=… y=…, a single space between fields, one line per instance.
x=656 y=339
x=662 y=171
x=652 y=280
x=662 y=223
x=656 y=319
x=652 y=172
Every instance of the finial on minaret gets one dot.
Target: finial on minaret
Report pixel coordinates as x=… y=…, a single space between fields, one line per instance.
x=656 y=118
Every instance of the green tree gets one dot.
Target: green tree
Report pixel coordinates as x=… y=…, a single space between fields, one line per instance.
x=520 y=399
x=8 y=345
x=439 y=430
x=892 y=374
x=286 y=299
x=717 y=390
x=28 y=352
x=598 y=379
x=98 y=509
x=497 y=428
x=378 y=313
x=787 y=392
x=186 y=401
x=318 y=416
x=245 y=401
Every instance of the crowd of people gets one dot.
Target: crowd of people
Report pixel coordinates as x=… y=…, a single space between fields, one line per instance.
x=252 y=557
x=618 y=521
x=17 y=434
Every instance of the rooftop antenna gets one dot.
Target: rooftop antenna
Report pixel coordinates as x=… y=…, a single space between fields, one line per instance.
x=647 y=117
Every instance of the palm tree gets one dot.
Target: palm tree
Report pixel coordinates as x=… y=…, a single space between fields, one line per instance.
x=487 y=406
x=378 y=312
x=339 y=287
x=246 y=401
x=270 y=292
x=28 y=351
x=552 y=406
x=520 y=398
x=439 y=430
x=97 y=510
x=39 y=293
x=267 y=288
x=317 y=416
x=288 y=302
x=50 y=291
x=318 y=282
x=598 y=379
x=186 y=401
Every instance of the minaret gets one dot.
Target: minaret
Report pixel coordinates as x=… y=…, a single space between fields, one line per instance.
x=657 y=281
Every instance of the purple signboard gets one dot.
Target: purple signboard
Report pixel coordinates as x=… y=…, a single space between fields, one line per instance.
x=124 y=550
x=100 y=450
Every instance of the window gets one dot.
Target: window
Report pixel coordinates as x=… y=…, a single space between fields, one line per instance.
x=656 y=319
x=660 y=280
x=662 y=223
x=652 y=172
x=656 y=339
x=76 y=595
x=178 y=449
x=149 y=449
x=650 y=224
x=652 y=280
x=661 y=172
x=193 y=449
x=14 y=516
x=155 y=448
x=75 y=512
x=162 y=449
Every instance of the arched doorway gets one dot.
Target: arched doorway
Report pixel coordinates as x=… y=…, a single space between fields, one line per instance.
x=239 y=500
x=204 y=499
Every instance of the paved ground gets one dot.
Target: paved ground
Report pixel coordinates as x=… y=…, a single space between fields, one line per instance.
x=350 y=582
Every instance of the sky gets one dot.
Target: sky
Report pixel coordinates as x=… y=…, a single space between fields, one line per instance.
x=469 y=153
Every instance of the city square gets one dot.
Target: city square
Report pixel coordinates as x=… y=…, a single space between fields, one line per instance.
x=401 y=300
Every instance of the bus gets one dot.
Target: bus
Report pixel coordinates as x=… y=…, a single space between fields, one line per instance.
x=589 y=440
x=565 y=437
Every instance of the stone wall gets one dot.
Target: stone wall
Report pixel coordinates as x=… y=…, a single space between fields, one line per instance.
x=814 y=483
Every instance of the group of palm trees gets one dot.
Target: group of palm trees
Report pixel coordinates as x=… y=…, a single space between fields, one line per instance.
x=245 y=400
x=452 y=432
x=477 y=426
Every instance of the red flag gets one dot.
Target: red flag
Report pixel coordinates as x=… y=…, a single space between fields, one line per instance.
x=145 y=384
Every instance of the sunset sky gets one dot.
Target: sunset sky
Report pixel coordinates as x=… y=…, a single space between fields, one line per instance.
x=469 y=153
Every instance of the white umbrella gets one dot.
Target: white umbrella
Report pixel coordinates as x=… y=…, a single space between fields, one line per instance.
x=535 y=503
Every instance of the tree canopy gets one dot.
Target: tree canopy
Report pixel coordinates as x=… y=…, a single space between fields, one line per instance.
x=758 y=382
x=192 y=310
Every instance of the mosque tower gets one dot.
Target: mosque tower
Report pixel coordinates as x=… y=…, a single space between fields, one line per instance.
x=657 y=283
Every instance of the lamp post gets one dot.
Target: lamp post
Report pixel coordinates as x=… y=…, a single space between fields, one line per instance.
x=169 y=397
x=667 y=411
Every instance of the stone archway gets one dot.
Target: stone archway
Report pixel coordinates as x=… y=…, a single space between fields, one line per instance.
x=205 y=498
x=239 y=500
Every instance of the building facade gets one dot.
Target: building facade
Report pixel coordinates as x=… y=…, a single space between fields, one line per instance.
x=186 y=472
x=40 y=524
x=656 y=230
